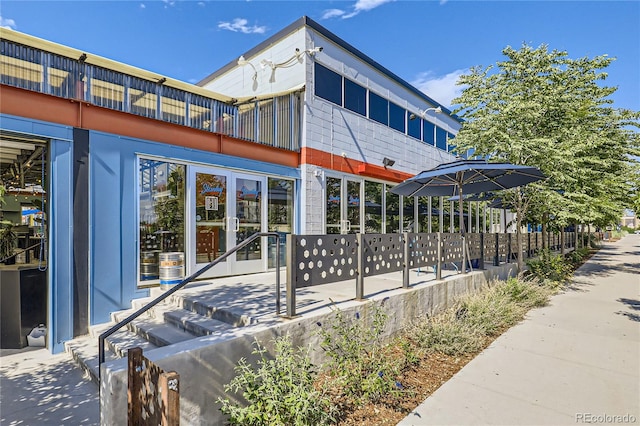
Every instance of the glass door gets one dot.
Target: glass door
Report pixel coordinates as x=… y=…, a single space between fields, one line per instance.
x=209 y=214
x=343 y=207
x=225 y=209
x=248 y=217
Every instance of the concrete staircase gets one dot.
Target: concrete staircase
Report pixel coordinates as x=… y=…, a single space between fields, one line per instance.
x=187 y=314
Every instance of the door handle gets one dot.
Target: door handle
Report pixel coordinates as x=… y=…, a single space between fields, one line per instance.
x=234 y=224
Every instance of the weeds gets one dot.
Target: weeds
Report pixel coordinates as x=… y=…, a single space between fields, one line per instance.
x=280 y=391
x=361 y=369
x=357 y=364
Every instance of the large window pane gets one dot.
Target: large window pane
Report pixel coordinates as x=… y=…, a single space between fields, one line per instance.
x=353 y=206
x=161 y=206
x=392 y=211
x=413 y=127
x=441 y=138
x=280 y=213
x=408 y=214
x=333 y=205
x=355 y=97
x=397 y=117
x=378 y=109
x=428 y=132
x=328 y=84
x=373 y=207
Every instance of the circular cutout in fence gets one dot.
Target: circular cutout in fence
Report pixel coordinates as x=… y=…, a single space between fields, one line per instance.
x=319 y=263
x=339 y=272
x=315 y=251
x=324 y=252
x=301 y=266
x=305 y=253
x=305 y=277
x=319 y=242
x=310 y=265
x=323 y=274
x=303 y=242
x=332 y=270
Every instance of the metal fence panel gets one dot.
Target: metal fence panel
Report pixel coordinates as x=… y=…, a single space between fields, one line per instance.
x=382 y=253
x=423 y=249
x=452 y=248
x=322 y=259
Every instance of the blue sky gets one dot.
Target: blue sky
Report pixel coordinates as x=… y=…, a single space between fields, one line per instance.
x=427 y=43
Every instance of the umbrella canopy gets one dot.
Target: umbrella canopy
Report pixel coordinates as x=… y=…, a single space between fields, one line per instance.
x=467 y=177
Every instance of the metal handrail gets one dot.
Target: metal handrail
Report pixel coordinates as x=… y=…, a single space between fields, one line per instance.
x=186 y=281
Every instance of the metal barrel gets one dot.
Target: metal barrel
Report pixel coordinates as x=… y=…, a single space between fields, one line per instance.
x=171 y=268
x=149 y=269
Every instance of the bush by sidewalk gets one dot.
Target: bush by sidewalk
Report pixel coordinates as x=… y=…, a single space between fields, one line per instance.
x=368 y=380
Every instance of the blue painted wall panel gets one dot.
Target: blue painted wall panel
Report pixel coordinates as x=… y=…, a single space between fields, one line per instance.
x=60 y=260
x=114 y=218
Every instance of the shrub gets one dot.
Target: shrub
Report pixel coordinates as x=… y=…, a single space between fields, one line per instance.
x=358 y=364
x=549 y=266
x=445 y=333
x=489 y=312
x=525 y=293
x=280 y=391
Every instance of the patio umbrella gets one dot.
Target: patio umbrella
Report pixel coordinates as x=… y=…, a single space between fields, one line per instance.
x=467 y=177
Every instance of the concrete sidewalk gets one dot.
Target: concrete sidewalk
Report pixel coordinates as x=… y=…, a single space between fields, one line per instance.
x=37 y=388
x=575 y=361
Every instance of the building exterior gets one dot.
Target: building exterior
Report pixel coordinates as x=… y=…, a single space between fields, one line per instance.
x=130 y=171
x=629 y=219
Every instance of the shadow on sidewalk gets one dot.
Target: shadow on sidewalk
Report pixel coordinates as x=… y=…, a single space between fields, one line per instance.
x=631 y=304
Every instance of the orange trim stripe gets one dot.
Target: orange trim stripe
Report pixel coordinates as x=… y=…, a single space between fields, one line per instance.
x=69 y=112
x=336 y=162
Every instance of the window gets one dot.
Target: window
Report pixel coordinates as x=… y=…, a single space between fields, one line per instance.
x=378 y=109
x=355 y=97
x=413 y=127
x=328 y=84
x=280 y=214
x=392 y=211
x=428 y=132
x=441 y=138
x=372 y=207
x=397 y=117
x=162 y=208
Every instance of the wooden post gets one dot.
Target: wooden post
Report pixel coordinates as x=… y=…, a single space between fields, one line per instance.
x=169 y=385
x=134 y=410
x=496 y=259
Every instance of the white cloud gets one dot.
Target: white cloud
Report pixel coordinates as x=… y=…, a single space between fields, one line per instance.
x=359 y=6
x=201 y=3
x=8 y=23
x=143 y=6
x=240 y=25
x=440 y=88
x=332 y=13
x=168 y=3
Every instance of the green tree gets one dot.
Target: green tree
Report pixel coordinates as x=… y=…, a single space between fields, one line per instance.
x=541 y=108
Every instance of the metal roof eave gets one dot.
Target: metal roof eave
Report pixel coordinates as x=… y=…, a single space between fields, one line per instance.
x=306 y=21
x=69 y=52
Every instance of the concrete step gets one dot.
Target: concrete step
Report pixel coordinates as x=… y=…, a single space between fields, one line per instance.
x=205 y=306
x=152 y=327
x=194 y=323
x=84 y=349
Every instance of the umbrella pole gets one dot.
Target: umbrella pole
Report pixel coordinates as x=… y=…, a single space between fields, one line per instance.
x=465 y=247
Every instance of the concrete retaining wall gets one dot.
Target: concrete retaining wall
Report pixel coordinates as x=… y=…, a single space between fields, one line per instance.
x=205 y=364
